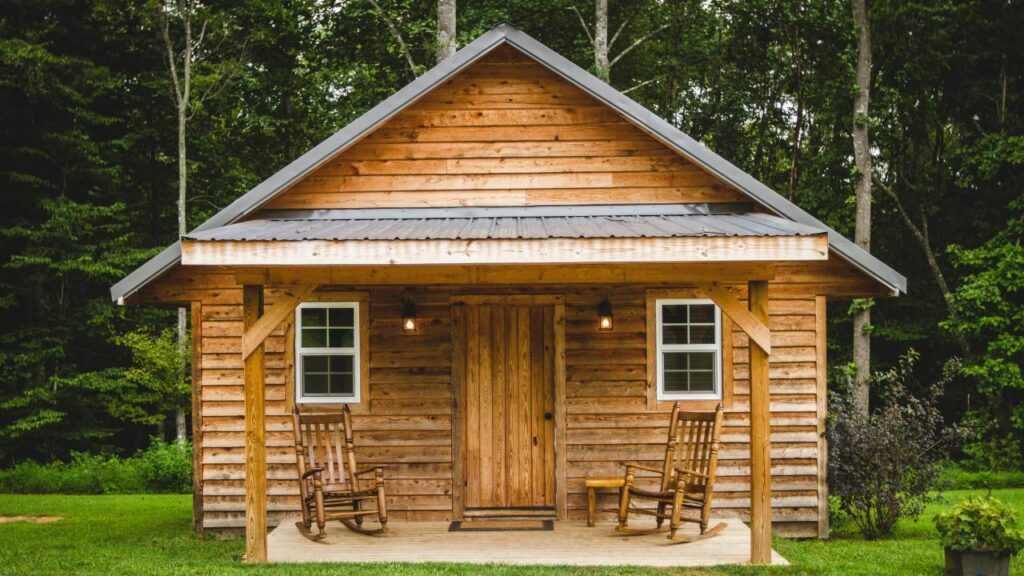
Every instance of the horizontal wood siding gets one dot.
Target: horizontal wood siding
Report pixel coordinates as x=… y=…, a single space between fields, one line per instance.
x=505 y=132
x=407 y=422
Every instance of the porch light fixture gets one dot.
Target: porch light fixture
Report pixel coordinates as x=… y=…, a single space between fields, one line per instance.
x=605 y=318
x=408 y=317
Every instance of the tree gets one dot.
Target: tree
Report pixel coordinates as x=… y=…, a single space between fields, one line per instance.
x=181 y=61
x=862 y=230
x=447 y=42
x=600 y=42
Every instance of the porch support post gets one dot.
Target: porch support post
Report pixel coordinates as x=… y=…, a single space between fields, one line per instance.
x=255 y=447
x=760 y=436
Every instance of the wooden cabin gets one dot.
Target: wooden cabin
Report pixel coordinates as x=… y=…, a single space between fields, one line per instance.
x=513 y=270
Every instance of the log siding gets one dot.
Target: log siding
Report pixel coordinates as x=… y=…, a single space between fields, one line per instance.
x=405 y=420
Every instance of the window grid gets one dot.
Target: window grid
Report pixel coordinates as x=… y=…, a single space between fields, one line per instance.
x=677 y=358
x=329 y=330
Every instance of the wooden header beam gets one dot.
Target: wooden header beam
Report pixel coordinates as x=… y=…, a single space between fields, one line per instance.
x=724 y=272
x=510 y=251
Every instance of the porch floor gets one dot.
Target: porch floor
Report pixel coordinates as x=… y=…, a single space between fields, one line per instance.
x=571 y=543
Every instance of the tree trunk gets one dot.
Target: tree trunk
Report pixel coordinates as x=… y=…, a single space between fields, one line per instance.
x=862 y=232
x=601 y=63
x=446 y=41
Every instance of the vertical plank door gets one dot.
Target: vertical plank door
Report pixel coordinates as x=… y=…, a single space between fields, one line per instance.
x=509 y=406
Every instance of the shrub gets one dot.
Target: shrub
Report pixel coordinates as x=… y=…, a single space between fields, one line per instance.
x=980 y=524
x=162 y=467
x=882 y=466
x=167 y=467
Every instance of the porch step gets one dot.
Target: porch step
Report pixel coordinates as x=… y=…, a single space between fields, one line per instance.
x=509 y=513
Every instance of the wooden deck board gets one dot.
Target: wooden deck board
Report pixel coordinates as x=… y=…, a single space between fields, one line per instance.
x=572 y=544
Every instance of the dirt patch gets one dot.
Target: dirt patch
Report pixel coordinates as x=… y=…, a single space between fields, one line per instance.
x=30 y=519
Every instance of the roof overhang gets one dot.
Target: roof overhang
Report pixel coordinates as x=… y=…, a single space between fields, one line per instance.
x=504 y=251
x=644 y=119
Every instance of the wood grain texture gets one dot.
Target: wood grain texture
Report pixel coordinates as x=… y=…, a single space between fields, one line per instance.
x=504 y=251
x=760 y=436
x=509 y=387
x=821 y=391
x=197 y=419
x=255 y=432
x=505 y=135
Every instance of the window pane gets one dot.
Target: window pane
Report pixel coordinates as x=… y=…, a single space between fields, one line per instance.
x=675 y=360
x=674 y=314
x=702 y=360
x=675 y=382
x=314 y=317
x=341 y=384
x=314 y=338
x=702 y=313
x=674 y=335
x=341 y=363
x=702 y=381
x=702 y=334
x=314 y=384
x=314 y=364
x=341 y=317
x=341 y=338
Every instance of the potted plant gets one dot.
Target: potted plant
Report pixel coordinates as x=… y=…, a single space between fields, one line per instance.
x=980 y=535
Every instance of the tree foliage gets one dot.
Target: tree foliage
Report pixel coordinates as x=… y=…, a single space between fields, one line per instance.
x=88 y=171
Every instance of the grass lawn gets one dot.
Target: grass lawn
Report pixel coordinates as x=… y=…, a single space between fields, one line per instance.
x=149 y=534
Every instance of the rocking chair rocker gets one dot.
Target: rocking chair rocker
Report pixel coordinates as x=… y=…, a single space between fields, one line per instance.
x=329 y=483
x=687 y=477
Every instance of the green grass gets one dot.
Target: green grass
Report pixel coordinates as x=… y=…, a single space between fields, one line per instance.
x=151 y=534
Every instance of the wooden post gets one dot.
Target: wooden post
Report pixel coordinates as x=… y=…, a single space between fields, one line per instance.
x=255 y=447
x=760 y=437
x=197 y=416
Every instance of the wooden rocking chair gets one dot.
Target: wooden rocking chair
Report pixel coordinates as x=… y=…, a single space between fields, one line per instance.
x=687 y=477
x=329 y=483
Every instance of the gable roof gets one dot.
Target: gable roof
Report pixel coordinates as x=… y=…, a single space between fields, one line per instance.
x=508 y=34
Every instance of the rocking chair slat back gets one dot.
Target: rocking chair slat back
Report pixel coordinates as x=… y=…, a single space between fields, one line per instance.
x=325 y=441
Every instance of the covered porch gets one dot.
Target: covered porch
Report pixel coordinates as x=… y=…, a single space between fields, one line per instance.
x=569 y=543
x=509 y=261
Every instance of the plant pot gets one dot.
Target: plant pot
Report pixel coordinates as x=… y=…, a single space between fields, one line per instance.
x=974 y=563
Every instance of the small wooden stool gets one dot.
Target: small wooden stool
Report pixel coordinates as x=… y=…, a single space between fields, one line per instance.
x=600 y=482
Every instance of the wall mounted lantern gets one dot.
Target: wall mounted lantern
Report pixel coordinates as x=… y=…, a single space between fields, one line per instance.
x=605 y=319
x=408 y=317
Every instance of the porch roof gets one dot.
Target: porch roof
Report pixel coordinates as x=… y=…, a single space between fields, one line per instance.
x=510 y=223
x=683 y=233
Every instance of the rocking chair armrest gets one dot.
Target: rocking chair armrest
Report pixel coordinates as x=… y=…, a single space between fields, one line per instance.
x=312 y=472
x=380 y=467
x=684 y=472
x=642 y=467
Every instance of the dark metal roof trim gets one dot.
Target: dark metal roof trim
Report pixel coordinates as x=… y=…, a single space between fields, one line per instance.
x=499 y=211
x=643 y=118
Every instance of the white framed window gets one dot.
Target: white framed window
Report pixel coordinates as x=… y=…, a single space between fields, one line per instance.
x=327 y=363
x=689 y=349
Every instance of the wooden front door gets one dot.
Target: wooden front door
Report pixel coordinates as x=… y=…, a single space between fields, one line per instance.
x=508 y=404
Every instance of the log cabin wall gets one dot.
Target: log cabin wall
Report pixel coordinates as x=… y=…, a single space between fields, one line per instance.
x=407 y=421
